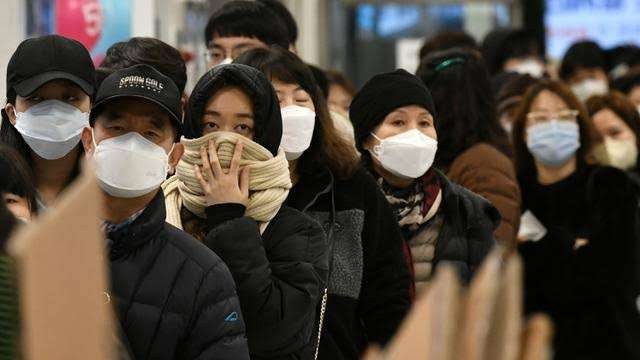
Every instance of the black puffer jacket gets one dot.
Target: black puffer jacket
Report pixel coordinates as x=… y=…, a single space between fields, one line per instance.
x=280 y=276
x=175 y=299
x=369 y=283
x=466 y=236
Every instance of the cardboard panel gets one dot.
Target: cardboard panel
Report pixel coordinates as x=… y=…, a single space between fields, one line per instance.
x=506 y=325
x=430 y=328
x=62 y=279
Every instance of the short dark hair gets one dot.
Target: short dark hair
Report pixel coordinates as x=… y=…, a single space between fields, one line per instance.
x=250 y=19
x=144 y=50
x=286 y=17
x=525 y=165
x=627 y=83
x=327 y=146
x=583 y=54
x=461 y=90
x=17 y=176
x=503 y=44
x=447 y=40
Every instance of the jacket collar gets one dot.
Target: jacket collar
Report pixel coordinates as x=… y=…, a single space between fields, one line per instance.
x=314 y=182
x=463 y=208
x=142 y=230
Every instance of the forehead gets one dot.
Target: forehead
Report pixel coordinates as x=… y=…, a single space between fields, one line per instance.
x=231 y=98
x=56 y=86
x=606 y=117
x=548 y=100
x=229 y=42
x=410 y=110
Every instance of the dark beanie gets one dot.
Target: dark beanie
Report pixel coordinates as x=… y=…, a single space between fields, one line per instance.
x=382 y=95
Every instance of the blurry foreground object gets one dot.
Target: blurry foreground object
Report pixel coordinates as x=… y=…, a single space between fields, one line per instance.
x=483 y=322
x=62 y=279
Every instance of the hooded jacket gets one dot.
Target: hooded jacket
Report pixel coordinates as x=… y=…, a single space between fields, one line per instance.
x=369 y=281
x=281 y=269
x=174 y=298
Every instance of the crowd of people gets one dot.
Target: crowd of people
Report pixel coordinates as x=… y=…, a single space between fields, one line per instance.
x=277 y=212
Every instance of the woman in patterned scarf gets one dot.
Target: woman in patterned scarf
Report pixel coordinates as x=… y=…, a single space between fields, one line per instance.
x=394 y=119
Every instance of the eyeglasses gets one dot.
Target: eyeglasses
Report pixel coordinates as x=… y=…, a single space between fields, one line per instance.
x=537 y=117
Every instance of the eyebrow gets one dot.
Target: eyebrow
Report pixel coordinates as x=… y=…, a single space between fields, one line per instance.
x=239 y=114
x=242 y=45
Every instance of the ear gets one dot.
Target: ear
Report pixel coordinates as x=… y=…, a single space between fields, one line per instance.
x=370 y=142
x=87 y=141
x=10 y=110
x=176 y=155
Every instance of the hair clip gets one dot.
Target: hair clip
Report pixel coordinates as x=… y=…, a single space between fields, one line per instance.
x=445 y=64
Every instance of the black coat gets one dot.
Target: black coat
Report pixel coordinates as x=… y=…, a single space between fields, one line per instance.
x=466 y=236
x=174 y=298
x=591 y=292
x=369 y=280
x=280 y=275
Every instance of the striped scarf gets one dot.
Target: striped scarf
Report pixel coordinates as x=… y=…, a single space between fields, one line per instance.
x=415 y=205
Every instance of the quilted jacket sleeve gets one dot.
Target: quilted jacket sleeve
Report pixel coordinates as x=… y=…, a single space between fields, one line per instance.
x=217 y=330
x=280 y=277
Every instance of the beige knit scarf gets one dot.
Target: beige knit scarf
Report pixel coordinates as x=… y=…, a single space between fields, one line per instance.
x=269 y=180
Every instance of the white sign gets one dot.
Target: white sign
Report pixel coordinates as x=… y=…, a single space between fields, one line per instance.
x=408 y=54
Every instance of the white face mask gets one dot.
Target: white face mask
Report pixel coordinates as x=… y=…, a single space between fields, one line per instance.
x=529 y=66
x=226 y=61
x=129 y=165
x=409 y=154
x=298 y=123
x=590 y=87
x=51 y=128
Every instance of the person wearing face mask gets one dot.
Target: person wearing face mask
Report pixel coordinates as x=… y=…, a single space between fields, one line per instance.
x=161 y=278
x=513 y=50
x=242 y=25
x=617 y=121
x=584 y=69
x=553 y=139
x=16 y=185
x=369 y=280
x=580 y=265
x=394 y=117
x=509 y=88
x=50 y=81
x=474 y=151
x=229 y=191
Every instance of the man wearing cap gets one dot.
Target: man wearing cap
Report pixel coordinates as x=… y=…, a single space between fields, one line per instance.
x=175 y=299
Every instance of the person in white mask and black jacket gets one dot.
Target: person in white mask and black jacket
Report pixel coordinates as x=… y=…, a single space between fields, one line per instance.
x=394 y=119
x=174 y=298
x=229 y=191
x=369 y=281
x=50 y=82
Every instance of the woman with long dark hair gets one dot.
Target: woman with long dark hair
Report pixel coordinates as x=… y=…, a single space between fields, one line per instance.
x=50 y=81
x=474 y=149
x=369 y=280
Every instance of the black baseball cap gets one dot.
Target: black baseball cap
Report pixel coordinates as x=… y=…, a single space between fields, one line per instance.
x=39 y=60
x=145 y=82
